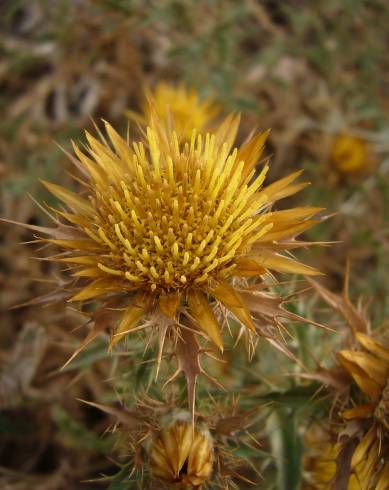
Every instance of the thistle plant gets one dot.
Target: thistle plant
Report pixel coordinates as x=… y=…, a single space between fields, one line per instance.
x=178 y=347
x=175 y=235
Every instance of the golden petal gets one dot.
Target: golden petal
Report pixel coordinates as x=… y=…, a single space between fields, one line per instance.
x=82 y=245
x=246 y=267
x=273 y=191
x=366 y=384
x=83 y=259
x=71 y=199
x=99 y=148
x=119 y=143
x=376 y=369
x=293 y=215
x=286 y=232
x=140 y=306
x=373 y=346
x=280 y=263
x=290 y=190
x=204 y=316
x=226 y=132
x=227 y=295
x=93 y=290
x=168 y=304
x=75 y=219
x=88 y=272
x=94 y=171
x=251 y=152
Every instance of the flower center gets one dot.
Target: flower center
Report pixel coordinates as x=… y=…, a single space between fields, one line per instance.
x=176 y=222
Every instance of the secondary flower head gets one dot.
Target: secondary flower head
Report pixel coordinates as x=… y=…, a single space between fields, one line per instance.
x=183 y=105
x=356 y=449
x=359 y=443
x=351 y=155
x=369 y=367
x=178 y=229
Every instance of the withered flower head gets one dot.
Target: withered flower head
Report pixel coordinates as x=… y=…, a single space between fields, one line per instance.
x=369 y=367
x=351 y=154
x=182 y=455
x=182 y=104
x=174 y=228
x=358 y=449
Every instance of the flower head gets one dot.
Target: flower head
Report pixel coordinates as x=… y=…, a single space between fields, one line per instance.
x=184 y=106
x=177 y=235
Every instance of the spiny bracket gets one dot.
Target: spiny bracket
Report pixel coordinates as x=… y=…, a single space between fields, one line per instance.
x=187 y=352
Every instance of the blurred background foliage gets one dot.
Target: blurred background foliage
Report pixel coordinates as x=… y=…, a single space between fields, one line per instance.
x=312 y=71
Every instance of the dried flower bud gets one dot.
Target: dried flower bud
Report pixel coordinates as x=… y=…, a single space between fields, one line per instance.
x=181 y=455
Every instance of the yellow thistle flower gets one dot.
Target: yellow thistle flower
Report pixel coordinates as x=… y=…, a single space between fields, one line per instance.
x=351 y=155
x=369 y=367
x=178 y=232
x=182 y=455
x=183 y=105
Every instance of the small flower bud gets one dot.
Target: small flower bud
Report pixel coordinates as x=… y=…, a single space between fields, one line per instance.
x=351 y=155
x=181 y=455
